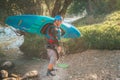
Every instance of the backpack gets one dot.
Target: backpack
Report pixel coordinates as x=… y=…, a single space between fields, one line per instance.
x=43 y=30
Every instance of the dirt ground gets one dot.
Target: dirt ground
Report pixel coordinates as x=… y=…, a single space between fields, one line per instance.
x=87 y=65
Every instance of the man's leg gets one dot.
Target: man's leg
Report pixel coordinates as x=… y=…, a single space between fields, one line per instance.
x=52 y=56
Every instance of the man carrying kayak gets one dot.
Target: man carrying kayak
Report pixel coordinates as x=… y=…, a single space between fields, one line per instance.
x=53 y=35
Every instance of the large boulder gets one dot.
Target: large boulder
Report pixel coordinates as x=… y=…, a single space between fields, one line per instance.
x=9 y=38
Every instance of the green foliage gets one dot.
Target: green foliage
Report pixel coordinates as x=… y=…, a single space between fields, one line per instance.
x=38 y=7
x=118 y=4
x=76 y=45
x=33 y=46
x=1 y=53
x=89 y=20
x=105 y=35
x=78 y=6
x=94 y=7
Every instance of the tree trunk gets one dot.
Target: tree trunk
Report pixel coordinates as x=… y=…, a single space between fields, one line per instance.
x=38 y=7
x=89 y=8
x=56 y=8
x=49 y=4
x=65 y=6
x=60 y=7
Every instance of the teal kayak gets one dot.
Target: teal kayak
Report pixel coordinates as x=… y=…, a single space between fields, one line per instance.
x=35 y=23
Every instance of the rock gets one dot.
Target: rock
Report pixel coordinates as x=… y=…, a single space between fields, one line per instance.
x=7 y=65
x=30 y=74
x=4 y=73
x=7 y=76
x=70 y=77
x=10 y=78
x=94 y=76
x=10 y=39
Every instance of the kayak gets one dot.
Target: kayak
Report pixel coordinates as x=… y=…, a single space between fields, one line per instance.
x=35 y=23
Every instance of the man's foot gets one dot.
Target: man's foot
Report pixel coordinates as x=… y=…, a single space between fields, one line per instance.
x=49 y=73
x=54 y=69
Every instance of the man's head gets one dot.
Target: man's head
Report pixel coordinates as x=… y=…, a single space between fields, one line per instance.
x=58 y=20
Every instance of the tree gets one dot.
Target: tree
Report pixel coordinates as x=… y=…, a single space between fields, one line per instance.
x=40 y=7
x=56 y=7
x=50 y=5
x=94 y=7
x=65 y=6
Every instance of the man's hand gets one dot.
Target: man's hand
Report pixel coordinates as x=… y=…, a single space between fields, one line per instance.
x=59 y=49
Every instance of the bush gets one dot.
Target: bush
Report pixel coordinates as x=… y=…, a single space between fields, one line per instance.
x=105 y=35
x=102 y=37
x=1 y=53
x=75 y=45
x=89 y=20
x=33 y=46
